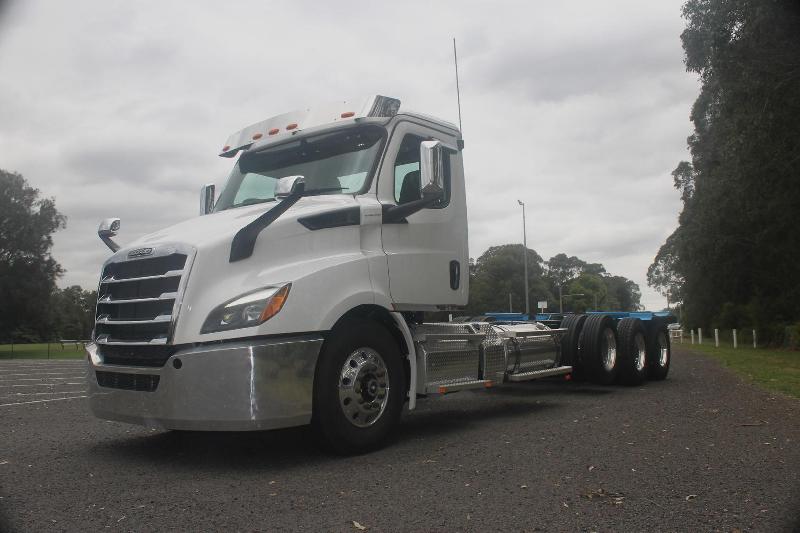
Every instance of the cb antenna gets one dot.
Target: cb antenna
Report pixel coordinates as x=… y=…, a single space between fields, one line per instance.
x=458 y=91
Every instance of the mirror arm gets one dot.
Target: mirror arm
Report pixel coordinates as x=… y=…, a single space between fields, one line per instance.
x=397 y=213
x=110 y=243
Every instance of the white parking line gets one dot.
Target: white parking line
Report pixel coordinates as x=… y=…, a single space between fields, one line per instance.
x=41 y=385
x=40 y=393
x=39 y=374
x=37 y=369
x=42 y=401
x=37 y=379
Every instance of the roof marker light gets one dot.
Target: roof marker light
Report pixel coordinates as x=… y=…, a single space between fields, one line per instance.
x=348 y=114
x=226 y=148
x=291 y=126
x=257 y=136
x=274 y=131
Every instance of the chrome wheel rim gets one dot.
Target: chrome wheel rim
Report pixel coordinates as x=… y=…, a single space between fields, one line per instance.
x=663 y=350
x=609 y=350
x=641 y=351
x=363 y=387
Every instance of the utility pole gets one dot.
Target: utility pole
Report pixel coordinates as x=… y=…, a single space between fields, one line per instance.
x=525 y=258
x=560 y=301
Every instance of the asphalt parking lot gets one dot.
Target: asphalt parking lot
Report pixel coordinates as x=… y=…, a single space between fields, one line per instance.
x=702 y=451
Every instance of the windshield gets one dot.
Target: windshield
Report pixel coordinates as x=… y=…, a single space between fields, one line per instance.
x=332 y=163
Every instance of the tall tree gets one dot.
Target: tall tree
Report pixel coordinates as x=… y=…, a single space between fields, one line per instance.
x=500 y=272
x=737 y=243
x=27 y=268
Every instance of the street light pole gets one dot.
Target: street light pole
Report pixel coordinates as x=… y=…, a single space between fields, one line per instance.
x=525 y=259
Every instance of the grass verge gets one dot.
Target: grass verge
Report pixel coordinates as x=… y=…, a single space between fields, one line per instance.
x=40 y=351
x=775 y=370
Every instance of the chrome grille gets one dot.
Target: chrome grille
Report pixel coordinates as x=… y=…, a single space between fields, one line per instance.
x=138 y=300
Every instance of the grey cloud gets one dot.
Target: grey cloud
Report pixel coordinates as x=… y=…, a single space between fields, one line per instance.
x=581 y=110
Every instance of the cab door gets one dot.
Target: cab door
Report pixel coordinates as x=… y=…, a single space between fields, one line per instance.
x=427 y=251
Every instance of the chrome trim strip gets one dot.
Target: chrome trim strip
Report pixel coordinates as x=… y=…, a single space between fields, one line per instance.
x=191 y=254
x=162 y=298
x=160 y=319
x=104 y=340
x=170 y=274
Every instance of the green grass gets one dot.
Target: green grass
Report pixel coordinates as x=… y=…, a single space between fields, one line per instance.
x=40 y=351
x=775 y=370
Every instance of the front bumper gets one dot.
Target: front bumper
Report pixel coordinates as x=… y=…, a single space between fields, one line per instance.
x=235 y=386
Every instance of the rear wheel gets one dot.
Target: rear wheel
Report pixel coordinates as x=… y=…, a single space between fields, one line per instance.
x=599 y=349
x=659 y=354
x=569 y=344
x=359 y=387
x=632 y=351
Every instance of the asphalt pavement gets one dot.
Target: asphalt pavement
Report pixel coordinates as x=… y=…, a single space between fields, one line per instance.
x=701 y=451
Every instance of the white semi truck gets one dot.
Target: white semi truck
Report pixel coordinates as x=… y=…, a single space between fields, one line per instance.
x=297 y=296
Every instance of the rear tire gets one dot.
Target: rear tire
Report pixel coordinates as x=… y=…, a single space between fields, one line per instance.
x=659 y=353
x=632 y=351
x=570 y=347
x=359 y=387
x=599 y=349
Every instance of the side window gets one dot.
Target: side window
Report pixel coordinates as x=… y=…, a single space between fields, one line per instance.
x=407 y=174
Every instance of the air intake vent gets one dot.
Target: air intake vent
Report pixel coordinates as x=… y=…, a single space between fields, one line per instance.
x=137 y=382
x=138 y=299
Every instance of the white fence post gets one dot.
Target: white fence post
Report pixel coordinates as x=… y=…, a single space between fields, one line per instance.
x=716 y=337
x=734 y=339
x=755 y=345
x=699 y=335
x=692 y=336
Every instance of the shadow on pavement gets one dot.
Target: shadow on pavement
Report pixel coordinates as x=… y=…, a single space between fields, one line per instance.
x=295 y=447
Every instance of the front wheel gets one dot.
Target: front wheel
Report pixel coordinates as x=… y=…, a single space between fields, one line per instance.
x=359 y=387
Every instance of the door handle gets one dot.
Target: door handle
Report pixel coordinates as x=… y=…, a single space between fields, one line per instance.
x=455 y=274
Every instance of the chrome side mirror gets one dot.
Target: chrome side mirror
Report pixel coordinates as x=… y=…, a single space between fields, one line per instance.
x=207 y=198
x=108 y=228
x=289 y=185
x=431 y=168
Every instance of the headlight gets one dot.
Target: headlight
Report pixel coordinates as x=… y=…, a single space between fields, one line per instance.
x=247 y=310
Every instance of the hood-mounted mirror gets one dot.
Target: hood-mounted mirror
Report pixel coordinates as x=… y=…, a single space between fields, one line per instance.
x=108 y=228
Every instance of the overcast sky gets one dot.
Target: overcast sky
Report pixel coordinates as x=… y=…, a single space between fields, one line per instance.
x=580 y=109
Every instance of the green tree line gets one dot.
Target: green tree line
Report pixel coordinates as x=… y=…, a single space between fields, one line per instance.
x=734 y=259
x=32 y=307
x=500 y=272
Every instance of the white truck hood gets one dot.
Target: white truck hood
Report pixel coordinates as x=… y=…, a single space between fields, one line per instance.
x=204 y=230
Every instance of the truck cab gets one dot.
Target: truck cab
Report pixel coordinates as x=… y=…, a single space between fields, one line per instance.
x=295 y=297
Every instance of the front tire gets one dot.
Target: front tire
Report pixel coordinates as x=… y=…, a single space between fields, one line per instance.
x=359 y=387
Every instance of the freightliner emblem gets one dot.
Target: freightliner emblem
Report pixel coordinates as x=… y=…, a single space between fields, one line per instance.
x=140 y=252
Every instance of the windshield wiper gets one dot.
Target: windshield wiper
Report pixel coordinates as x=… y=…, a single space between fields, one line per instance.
x=315 y=192
x=251 y=201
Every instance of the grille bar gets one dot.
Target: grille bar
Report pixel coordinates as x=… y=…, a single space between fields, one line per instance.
x=171 y=274
x=106 y=340
x=157 y=320
x=107 y=299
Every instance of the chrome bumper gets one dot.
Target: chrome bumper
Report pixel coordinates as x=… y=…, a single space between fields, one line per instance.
x=237 y=386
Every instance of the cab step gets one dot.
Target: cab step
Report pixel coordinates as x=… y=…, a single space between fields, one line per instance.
x=446 y=388
x=538 y=374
